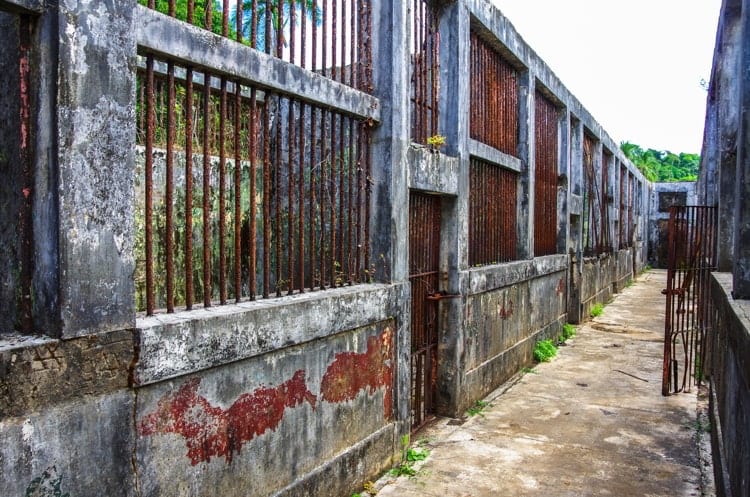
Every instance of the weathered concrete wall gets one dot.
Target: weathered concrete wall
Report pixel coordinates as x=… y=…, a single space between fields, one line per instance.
x=302 y=395
x=508 y=310
x=664 y=196
x=261 y=426
x=66 y=416
x=730 y=389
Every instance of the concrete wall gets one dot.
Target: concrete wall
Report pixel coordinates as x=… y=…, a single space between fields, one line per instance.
x=301 y=395
x=723 y=182
x=663 y=196
x=730 y=389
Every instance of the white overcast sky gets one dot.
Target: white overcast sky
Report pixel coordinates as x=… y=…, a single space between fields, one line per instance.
x=636 y=65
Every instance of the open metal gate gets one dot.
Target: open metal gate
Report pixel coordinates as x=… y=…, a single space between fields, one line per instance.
x=424 y=268
x=691 y=258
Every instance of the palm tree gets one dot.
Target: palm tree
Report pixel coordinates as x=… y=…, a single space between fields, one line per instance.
x=260 y=20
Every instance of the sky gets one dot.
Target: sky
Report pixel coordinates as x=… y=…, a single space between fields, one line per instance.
x=636 y=65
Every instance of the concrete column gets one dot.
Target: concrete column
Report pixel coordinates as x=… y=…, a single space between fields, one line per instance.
x=598 y=173
x=454 y=125
x=96 y=137
x=575 y=243
x=728 y=112
x=563 y=190
x=390 y=190
x=526 y=115
x=741 y=221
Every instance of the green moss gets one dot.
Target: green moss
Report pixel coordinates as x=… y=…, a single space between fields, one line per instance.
x=597 y=310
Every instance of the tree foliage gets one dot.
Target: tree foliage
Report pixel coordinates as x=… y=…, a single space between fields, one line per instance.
x=663 y=165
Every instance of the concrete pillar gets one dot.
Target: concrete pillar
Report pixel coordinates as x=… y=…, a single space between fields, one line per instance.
x=526 y=115
x=575 y=243
x=563 y=171
x=454 y=125
x=741 y=221
x=95 y=152
x=728 y=112
x=390 y=194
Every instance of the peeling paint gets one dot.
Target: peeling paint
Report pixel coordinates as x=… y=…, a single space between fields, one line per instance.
x=350 y=373
x=210 y=431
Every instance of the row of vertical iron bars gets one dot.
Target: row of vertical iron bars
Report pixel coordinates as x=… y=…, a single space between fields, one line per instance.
x=493 y=109
x=425 y=72
x=689 y=316
x=547 y=118
x=424 y=276
x=492 y=213
x=596 y=202
x=306 y=166
x=332 y=37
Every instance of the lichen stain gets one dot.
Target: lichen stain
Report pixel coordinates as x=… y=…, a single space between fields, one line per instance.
x=211 y=431
x=351 y=373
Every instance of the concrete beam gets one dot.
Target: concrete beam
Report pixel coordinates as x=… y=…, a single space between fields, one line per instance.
x=22 y=6
x=741 y=268
x=494 y=156
x=172 y=345
x=179 y=41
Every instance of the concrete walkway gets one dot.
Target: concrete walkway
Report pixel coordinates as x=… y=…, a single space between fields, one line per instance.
x=591 y=422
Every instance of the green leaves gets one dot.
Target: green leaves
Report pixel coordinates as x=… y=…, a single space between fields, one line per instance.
x=663 y=165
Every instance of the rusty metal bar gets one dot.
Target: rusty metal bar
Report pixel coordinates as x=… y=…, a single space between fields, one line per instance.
x=253 y=153
x=149 y=184
x=290 y=199
x=237 y=235
x=169 y=193
x=301 y=202
x=189 y=189
x=266 y=195
x=314 y=168
x=222 y=192
x=206 y=193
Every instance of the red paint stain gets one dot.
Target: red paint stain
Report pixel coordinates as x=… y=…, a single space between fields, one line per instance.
x=351 y=373
x=506 y=312
x=561 y=286
x=211 y=431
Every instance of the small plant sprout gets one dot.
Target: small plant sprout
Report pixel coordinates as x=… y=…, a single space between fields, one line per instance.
x=569 y=331
x=477 y=408
x=409 y=455
x=544 y=351
x=436 y=141
x=597 y=310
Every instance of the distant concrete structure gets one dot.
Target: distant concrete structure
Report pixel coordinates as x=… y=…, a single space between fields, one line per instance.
x=327 y=275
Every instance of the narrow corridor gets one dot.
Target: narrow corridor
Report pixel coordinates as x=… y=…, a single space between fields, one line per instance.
x=592 y=422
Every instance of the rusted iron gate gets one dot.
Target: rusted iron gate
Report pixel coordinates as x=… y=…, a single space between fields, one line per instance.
x=547 y=118
x=424 y=273
x=692 y=257
x=425 y=71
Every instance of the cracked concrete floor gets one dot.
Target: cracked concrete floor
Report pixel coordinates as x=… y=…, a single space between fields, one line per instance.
x=592 y=422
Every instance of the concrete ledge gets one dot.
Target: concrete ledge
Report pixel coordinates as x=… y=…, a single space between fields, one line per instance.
x=172 y=345
x=486 y=278
x=22 y=6
x=736 y=317
x=492 y=155
x=432 y=171
x=177 y=40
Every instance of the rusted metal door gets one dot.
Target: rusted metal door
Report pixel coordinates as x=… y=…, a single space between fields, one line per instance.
x=691 y=258
x=424 y=268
